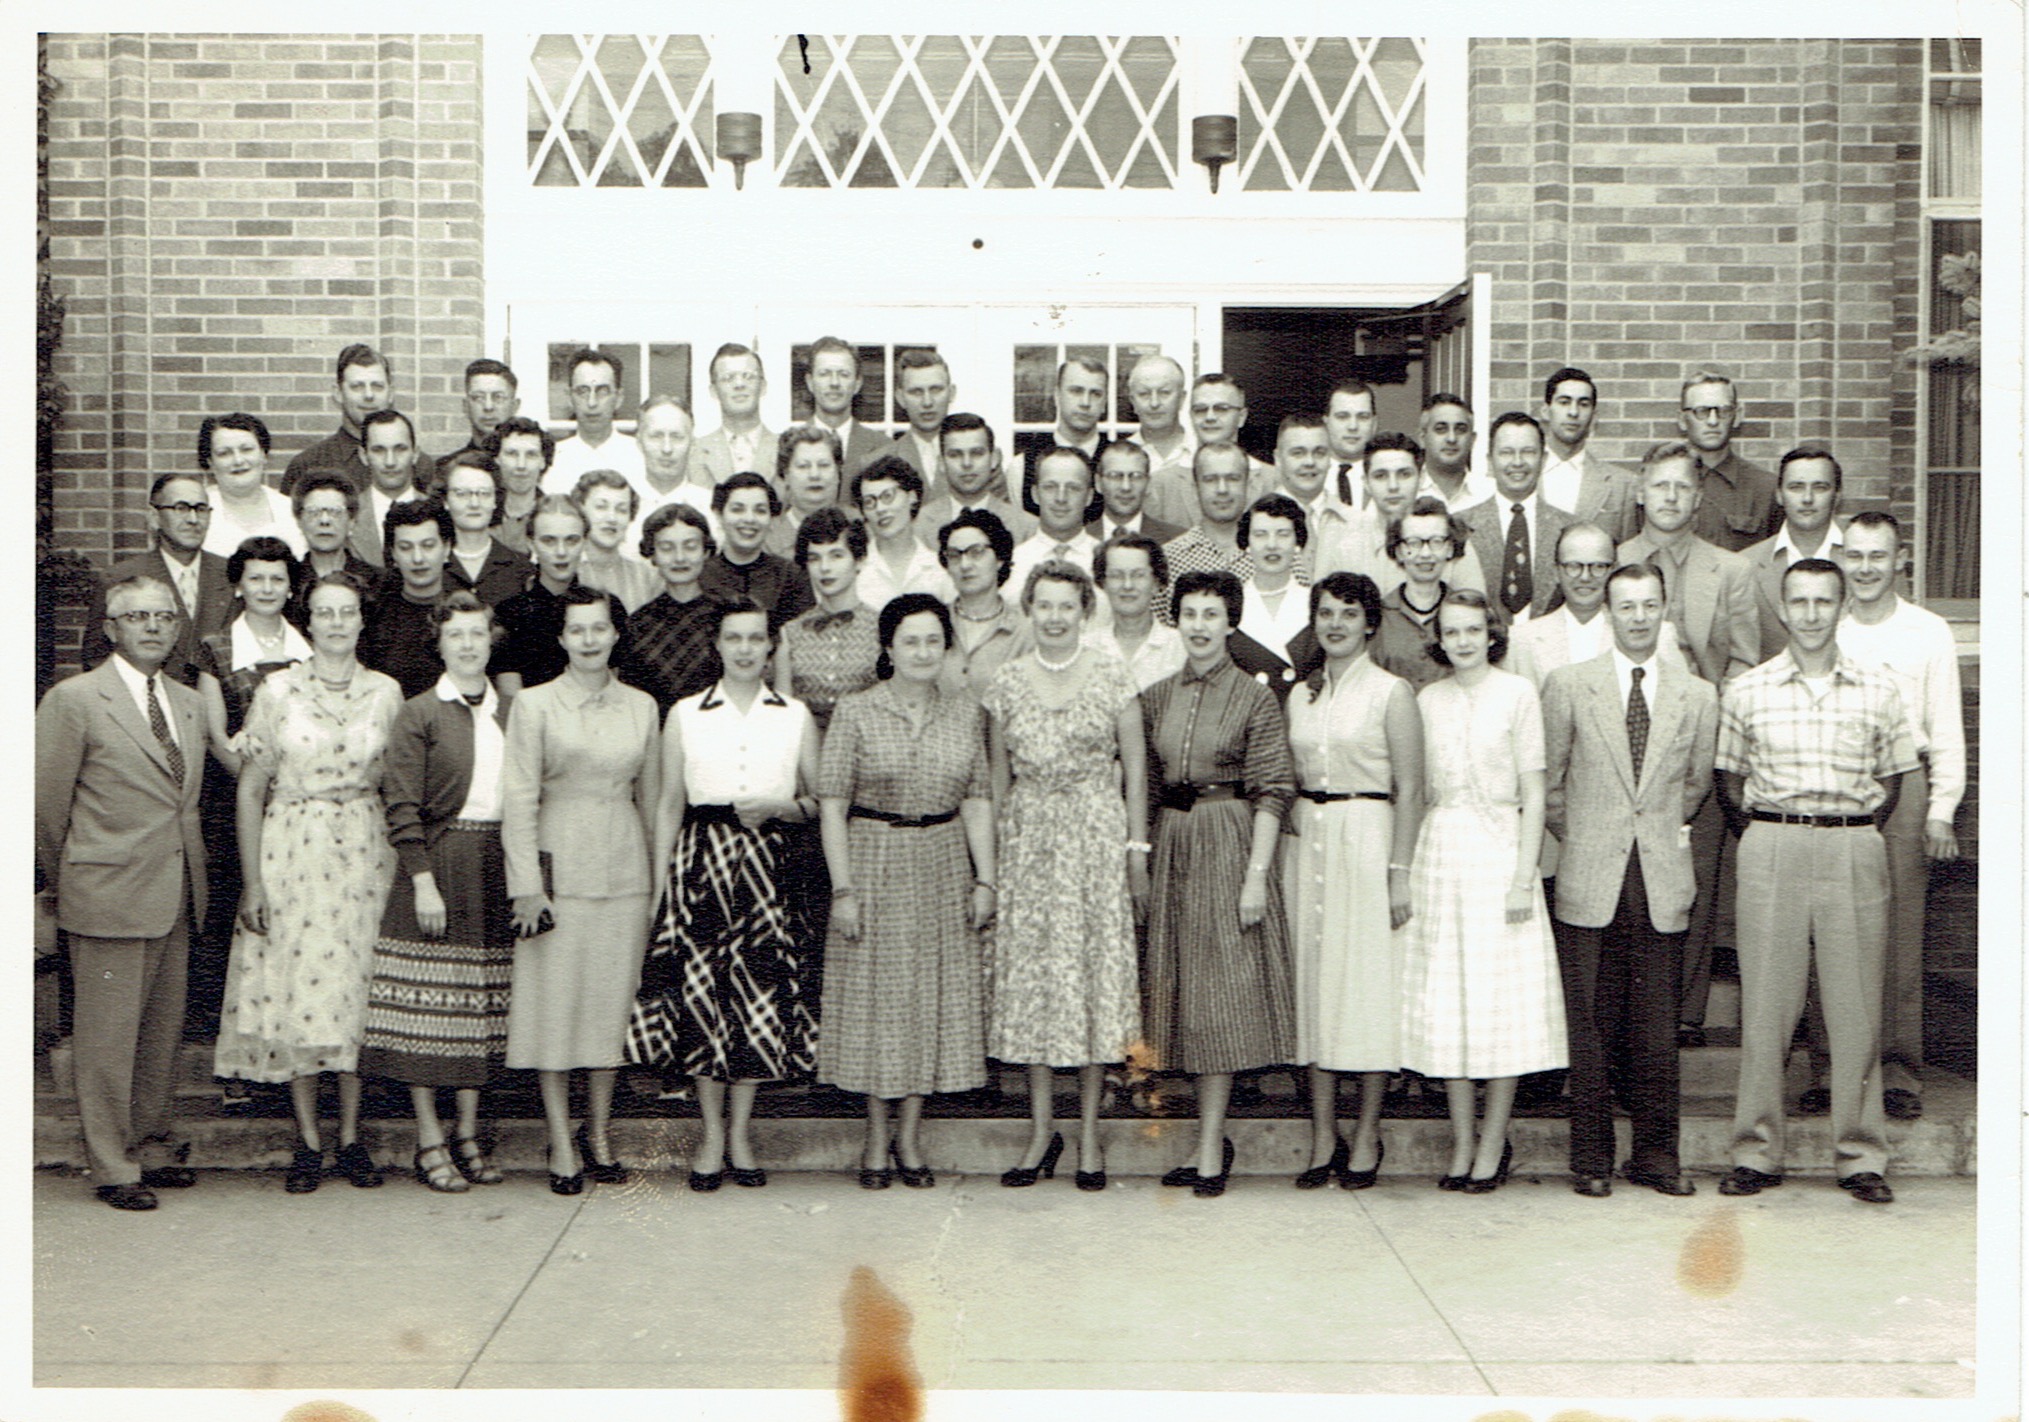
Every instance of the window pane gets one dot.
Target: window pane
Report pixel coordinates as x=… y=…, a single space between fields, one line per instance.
x=669 y=372
x=1035 y=375
x=1955 y=56
x=1955 y=138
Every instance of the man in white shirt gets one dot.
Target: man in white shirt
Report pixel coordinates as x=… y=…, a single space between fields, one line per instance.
x=889 y=493
x=972 y=480
x=1081 y=405
x=1349 y=421
x=663 y=431
x=595 y=395
x=833 y=380
x=388 y=450
x=741 y=442
x=1448 y=475
x=1063 y=494
x=1515 y=529
x=1123 y=495
x=1807 y=490
x=1574 y=478
x=924 y=390
x=1574 y=631
x=1303 y=465
x=1155 y=388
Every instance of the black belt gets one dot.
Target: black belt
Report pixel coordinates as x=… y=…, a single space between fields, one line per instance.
x=1333 y=797
x=1774 y=817
x=710 y=815
x=861 y=812
x=1183 y=797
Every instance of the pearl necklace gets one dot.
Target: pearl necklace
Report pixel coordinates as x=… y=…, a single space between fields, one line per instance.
x=1047 y=665
x=993 y=616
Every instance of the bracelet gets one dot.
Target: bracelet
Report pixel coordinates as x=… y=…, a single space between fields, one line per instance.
x=982 y=883
x=1398 y=868
x=1139 y=846
x=1261 y=869
x=839 y=891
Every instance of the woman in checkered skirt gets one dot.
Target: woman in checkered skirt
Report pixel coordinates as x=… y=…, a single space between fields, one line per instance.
x=724 y=996
x=1481 y=996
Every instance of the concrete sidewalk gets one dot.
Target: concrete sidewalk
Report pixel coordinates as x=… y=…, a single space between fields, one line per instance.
x=1532 y=1291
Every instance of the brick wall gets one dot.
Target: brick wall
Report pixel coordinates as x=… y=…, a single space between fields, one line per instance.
x=1648 y=207
x=227 y=212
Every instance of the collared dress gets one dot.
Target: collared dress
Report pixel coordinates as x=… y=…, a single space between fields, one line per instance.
x=295 y=996
x=436 y=1010
x=902 y=1007
x=1481 y=997
x=580 y=767
x=1217 y=997
x=1062 y=985
x=970 y=666
x=726 y=993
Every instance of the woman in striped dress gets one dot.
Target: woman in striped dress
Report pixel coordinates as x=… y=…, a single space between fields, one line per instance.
x=1218 y=993
x=436 y=1010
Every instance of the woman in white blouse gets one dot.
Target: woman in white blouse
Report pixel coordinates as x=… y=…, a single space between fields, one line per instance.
x=233 y=451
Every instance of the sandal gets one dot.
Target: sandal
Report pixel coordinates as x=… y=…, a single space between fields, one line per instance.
x=441 y=1174
x=474 y=1164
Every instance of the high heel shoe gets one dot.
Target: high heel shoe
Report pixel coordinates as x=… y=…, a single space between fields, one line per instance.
x=1363 y=1179
x=441 y=1174
x=750 y=1179
x=916 y=1177
x=1321 y=1175
x=566 y=1184
x=473 y=1162
x=1477 y=1185
x=604 y=1172
x=1209 y=1187
x=1188 y=1174
x=1044 y=1169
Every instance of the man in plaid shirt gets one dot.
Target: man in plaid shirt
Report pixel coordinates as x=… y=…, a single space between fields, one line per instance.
x=1812 y=750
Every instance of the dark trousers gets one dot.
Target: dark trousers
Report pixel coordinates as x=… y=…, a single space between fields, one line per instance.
x=1620 y=1007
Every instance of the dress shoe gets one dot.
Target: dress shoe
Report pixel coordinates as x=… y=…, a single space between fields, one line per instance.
x=1452 y=1182
x=875 y=1179
x=127 y=1197
x=1676 y=1183
x=1350 y=1179
x=1318 y=1176
x=306 y=1170
x=603 y=1172
x=353 y=1162
x=1690 y=1034
x=1020 y=1176
x=916 y=1177
x=435 y=1168
x=701 y=1182
x=473 y=1162
x=752 y=1179
x=1210 y=1187
x=1486 y=1185
x=1596 y=1187
x=169 y=1177
x=1745 y=1180
x=1868 y=1186
x=1815 y=1101
x=1090 y=1180
x=573 y=1184
x=1899 y=1102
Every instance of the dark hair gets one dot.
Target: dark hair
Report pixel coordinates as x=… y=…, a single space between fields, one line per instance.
x=359 y=353
x=520 y=425
x=733 y=607
x=1063 y=571
x=959 y=421
x=835 y=345
x=908 y=605
x=1349 y=588
x=1876 y=518
x=440 y=487
x=997 y=536
x=459 y=600
x=340 y=578
x=386 y=415
x=1396 y=440
x=659 y=519
x=896 y=470
x=413 y=513
x=261 y=548
x=1634 y=573
x=733 y=348
x=1218 y=582
x=1569 y=372
x=1514 y=417
x=1354 y=387
x=318 y=481
x=830 y=525
x=1445 y=397
x=919 y=358
x=1814 y=565
x=581 y=595
x=1158 y=561
x=237 y=420
x=1811 y=451
x=796 y=435
x=745 y=479
x=487 y=365
x=1121 y=446
x=1497 y=627
x=1427 y=506
x=1084 y=363
x=592 y=355
x=1274 y=506
x=162 y=480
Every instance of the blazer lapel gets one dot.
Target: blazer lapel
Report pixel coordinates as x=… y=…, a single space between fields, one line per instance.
x=130 y=719
x=1611 y=717
x=1666 y=708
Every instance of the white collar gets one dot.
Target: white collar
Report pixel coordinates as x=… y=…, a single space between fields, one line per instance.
x=447 y=690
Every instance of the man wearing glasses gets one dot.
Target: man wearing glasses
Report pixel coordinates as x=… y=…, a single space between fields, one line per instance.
x=741 y=443
x=594 y=395
x=1738 y=507
x=196 y=579
x=1124 y=475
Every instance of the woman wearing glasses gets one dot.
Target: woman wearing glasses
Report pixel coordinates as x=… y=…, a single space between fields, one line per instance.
x=1422 y=543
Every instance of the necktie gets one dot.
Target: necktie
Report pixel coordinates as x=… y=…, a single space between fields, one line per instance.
x=159 y=724
x=1517 y=587
x=1637 y=724
x=1345 y=485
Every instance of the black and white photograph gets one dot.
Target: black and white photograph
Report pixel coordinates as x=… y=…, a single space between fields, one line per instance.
x=896 y=725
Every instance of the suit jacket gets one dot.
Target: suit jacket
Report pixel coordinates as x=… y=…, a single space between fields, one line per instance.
x=1543 y=644
x=862 y=448
x=1599 y=809
x=1605 y=497
x=1487 y=523
x=714 y=456
x=1711 y=603
x=1154 y=527
x=116 y=836
x=214 y=611
x=503 y=574
x=1768 y=569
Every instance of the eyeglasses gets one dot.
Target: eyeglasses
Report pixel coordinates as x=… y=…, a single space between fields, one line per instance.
x=322 y=515
x=334 y=614
x=1425 y=545
x=1587 y=570
x=1129 y=577
x=885 y=499
x=468 y=493
x=1709 y=414
x=970 y=550
x=184 y=510
x=140 y=617
x=591 y=392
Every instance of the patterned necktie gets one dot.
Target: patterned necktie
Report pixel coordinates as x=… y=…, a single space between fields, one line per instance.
x=1517 y=587
x=1637 y=724
x=159 y=724
x=1346 y=485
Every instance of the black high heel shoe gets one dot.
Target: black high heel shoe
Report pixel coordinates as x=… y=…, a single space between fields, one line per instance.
x=1210 y=1187
x=1364 y=1179
x=567 y=1184
x=1045 y=1169
x=1476 y=1185
x=604 y=1172
x=749 y=1179
x=916 y=1177
x=1320 y=1175
x=1188 y=1174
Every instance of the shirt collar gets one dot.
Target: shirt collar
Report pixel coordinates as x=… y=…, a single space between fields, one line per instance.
x=1224 y=665
x=135 y=679
x=1832 y=544
x=1844 y=668
x=572 y=698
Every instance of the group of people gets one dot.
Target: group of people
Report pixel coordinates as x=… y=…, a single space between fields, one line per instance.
x=756 y=758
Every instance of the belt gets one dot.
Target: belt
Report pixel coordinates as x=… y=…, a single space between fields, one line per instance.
x=474 y=826
x=1333 y=797
x=1774 y=817
x=861 y=812
x=710 y=815
x=1183 y=797
x=344 y=795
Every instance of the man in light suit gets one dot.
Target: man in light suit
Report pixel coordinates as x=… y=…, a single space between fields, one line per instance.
x=1514 y=532
x=1808 y=484
x=972 y=480
x=834 y=381
x=741 y=442
x=1574 y=477
x=196 y=579
x=924 y=390
x=119 y=759
x=1628 y=766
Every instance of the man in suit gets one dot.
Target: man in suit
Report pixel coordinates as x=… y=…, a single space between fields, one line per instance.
x=1155 y=390
x=1303 y=468
x=1446 y=429
x=741 y=442
x=1575 y=630
x=1081 y=405
x=365 y=384
x=196 y=579
x=972 y=480
x=119 y=759
x=1574 y=477
x=1739 y=504
x=492 y=394
x=1628 y=746
x=1808 y=484
x=924 y=390
x=1124 y=473
x=1514 y=529
x=833 y=380
x=395 y=473
x=1349 y=419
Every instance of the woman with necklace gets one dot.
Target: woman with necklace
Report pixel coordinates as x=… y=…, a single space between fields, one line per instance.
x=315 y=865
x=1276 y=609
x=233 y=452
x=908 y=835
x=1134 y=574
x=725 y=996
x=1217 y=995
x=1481 y=994
x=577 y=813
x=975 y=549
x=1422 y=543
x=1357 y=741
x=831 y=650
x=1064 y=737
x=437 y=1006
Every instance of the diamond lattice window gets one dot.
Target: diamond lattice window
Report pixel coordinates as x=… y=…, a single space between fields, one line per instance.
x=1332 y=114
x=619 y=111
x=956 y=111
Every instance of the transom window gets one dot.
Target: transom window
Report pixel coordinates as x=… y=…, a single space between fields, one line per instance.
x=1332 y=114
x=619 y=111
